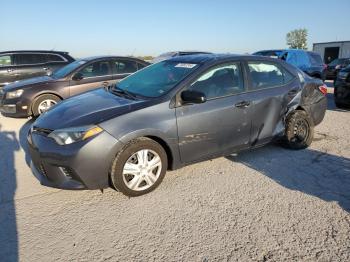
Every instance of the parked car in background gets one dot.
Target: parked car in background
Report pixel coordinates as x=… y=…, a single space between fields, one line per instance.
x=169 y=55
x=170 y=114
x=36 y=95
x=309 y=62
x=335 y=66
x=342 y=88
x=19 y=65
x=270 y=53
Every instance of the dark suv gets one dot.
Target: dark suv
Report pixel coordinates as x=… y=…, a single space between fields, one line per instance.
x=36 y=95
x=342 y=88
x=18 y=65
x=335 y=66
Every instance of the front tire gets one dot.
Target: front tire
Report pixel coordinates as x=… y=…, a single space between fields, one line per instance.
x=43 y=103
x=139 y=167
x=299 y=130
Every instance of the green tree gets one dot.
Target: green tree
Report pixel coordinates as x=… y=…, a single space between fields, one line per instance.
x=297 y=38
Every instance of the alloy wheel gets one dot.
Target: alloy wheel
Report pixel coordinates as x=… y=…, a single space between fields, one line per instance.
x=45 y=105
x=142 y=170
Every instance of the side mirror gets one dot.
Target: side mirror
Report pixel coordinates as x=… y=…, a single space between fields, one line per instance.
x=193 y=97
x=77 y=77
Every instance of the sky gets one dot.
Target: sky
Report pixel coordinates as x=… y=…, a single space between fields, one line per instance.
x=136 y=27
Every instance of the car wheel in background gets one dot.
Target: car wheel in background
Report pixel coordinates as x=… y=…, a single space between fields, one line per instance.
x=43 y=103
x=139 y=167
x=299 y=130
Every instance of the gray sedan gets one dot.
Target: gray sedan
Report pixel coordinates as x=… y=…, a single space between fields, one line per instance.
x=171 y=114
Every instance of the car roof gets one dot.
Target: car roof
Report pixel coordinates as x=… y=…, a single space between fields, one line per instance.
x=270 y=50
x=34 y=51
x=205 y=58
x=90 y=58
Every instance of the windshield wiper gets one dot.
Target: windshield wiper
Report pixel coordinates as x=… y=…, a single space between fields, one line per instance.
x=117 y=90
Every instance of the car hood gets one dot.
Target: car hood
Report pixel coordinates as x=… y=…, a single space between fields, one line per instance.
x=89 y=108
x=28 y=83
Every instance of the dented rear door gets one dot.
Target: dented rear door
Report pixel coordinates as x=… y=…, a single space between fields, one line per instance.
x=272 y=91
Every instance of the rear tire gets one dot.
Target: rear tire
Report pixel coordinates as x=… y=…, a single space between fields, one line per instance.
x=43 y=103
x=299 y=131
x=139 y=167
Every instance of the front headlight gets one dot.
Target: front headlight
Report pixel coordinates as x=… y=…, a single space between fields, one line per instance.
x=71 y=135
x=14 y=94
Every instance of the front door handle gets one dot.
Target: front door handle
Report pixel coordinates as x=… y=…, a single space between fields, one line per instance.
x=293 y=92
x=242 y=104
x=46 y=68
x=10 y=70
x=105 y=83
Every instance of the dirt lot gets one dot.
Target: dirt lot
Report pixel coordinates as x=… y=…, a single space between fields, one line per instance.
x=268 y=204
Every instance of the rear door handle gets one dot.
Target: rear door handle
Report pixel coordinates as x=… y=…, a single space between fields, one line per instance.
x=10 y=70
x=242 y=104
x=46 y=68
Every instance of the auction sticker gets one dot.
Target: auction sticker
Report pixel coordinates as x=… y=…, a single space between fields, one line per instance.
x=185 y=65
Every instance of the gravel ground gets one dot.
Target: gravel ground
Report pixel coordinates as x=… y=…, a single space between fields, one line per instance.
x=270 y=204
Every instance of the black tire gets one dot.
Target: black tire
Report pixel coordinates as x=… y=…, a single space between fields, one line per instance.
x=123 y=156
x=337 y=104
x=299 y=131
x=40 y=99
x=341 y=105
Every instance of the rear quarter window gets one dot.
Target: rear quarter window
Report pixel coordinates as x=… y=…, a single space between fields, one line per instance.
x=315 y=59
x=30 y=59
x=54 y=58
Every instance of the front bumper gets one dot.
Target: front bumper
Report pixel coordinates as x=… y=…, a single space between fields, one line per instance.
x=16 y=107
x=81 y=165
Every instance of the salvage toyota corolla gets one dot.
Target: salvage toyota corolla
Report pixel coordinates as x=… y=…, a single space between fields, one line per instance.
x=170 y=114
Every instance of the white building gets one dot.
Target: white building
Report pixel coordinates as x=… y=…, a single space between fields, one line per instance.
x=332 y=50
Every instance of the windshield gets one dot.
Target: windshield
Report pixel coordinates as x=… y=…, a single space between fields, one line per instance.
x=66 y=70
x=157 y=79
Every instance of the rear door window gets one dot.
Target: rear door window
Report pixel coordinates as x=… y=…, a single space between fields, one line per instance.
x=30 y=59
x=5 y=60
x=265 y=75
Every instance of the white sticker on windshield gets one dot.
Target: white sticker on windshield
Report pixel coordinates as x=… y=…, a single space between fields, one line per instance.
x=185 y=65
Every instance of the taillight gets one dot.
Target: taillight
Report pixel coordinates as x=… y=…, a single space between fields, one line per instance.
x=323 y=89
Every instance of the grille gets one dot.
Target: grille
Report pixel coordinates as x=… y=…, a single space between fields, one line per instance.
x=67 y=172
x=42 y=170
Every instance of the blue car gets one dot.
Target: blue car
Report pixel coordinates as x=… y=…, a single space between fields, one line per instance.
x=309 y=62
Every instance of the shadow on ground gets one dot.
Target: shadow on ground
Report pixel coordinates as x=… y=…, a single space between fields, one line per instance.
x=312 y=172
x=8 y=184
